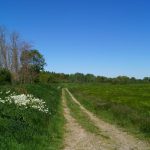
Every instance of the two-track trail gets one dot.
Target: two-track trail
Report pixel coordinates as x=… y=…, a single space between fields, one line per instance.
x=77 y=138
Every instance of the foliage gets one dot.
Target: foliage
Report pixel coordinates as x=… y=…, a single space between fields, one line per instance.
x=36 y=61
x=17 y=56
x=5 y=76
x=28 y=128
x=32 y=63
x=52 y=77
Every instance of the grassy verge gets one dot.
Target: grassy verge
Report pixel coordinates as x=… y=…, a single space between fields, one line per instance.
x=82 y=118
x=125 y=105
x=22 y=129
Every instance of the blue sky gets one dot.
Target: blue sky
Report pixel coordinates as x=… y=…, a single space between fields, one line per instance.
x=103 y=37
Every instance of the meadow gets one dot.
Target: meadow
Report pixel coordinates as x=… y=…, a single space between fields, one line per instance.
x=36 y=125
x=126 y=105
x=31 y=116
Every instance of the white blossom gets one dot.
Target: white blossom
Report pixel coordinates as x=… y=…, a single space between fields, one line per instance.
x=7 y=92
x=26 y=101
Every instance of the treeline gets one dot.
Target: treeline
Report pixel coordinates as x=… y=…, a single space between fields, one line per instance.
x=52 y=77
x=19 y=62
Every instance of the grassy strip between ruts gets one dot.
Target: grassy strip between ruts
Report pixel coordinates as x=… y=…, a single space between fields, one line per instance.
x=27 y=128
x=125 y=105
x=81 y=117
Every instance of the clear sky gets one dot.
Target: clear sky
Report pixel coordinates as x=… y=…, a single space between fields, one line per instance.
x=103 y=37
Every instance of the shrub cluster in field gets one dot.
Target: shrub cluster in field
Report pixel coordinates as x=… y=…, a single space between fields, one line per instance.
x=27 y=100
x=24 y=121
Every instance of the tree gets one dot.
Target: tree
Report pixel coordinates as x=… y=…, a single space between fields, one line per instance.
x=17 y=57
x=5 y=76
x=121 y=79
x=3 y=48
x=32 y=63
x=15 y=51
x=101 y=79
x=146 y=79
x=90 y=78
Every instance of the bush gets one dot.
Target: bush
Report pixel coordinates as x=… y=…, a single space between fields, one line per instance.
x=5 y=76
x=26 y=128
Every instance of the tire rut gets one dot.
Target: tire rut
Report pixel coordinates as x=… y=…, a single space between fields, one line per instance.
x=121 y=140
x=77 y=138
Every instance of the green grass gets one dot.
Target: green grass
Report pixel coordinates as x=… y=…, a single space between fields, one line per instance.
x=82 y=118
x=125 y=105
x=22 y=129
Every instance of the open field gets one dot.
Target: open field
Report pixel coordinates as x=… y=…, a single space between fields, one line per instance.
x=106 y=137
x=32 y=116
x=127 y=106
x=31 y=126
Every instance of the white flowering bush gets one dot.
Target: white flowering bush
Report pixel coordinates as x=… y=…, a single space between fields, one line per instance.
x=30 y=121
x=24 y=100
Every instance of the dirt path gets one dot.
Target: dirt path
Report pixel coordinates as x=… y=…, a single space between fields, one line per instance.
x=76 y=138
x=122 y=140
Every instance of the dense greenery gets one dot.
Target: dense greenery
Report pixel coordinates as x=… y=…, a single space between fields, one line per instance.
x=52 y=77
x=125 y=105
x=32 y=62
x=5 y=76
x=22 y=129
x=18 y=56
x=31 y=73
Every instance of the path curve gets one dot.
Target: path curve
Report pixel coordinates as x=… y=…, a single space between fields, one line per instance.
x=123 y=140
x=76 y=138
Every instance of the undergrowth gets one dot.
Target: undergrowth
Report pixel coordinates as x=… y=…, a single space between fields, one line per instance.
x=22 y=129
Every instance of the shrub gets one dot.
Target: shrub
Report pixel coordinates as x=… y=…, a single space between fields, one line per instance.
x=5 y=76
